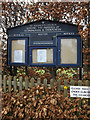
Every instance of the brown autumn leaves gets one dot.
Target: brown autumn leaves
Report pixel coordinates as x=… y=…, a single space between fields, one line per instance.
x=18 y=13
x=40 y=102
x=43 y=103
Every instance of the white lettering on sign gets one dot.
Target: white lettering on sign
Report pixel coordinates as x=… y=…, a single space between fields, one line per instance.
x=80 y=91
x=41 y=55
x=18 y=56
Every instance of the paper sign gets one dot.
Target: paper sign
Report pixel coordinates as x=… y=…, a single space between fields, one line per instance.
x=41 y=55
x=18 y=56
x=80 y=91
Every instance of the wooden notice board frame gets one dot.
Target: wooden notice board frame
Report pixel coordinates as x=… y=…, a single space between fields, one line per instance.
x=42 y=64
x=10 y=51
x=79 y=53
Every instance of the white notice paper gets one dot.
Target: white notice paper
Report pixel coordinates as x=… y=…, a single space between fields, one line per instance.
x=18 y=56
x=80 y=91
x=41 y=55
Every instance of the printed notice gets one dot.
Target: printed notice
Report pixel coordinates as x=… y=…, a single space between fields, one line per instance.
x=80 y=91
x=18 y=56
x=41 y=55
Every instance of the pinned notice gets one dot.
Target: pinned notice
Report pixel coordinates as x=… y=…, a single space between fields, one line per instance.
x=41 y=55
x=18 y=56
x=80 y=91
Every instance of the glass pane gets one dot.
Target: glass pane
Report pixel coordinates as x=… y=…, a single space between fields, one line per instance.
x=42 y=55
x=18 y=51
x=69 y=51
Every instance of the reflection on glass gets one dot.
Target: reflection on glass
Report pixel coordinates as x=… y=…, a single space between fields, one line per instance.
x=69 y=51
x=42 y=55
x=18 y=51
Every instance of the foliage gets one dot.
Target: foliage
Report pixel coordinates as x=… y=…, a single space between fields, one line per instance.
x=67 y=74
x=37 y=72
x=40 y=102
x=43 y=103
x=18 y=13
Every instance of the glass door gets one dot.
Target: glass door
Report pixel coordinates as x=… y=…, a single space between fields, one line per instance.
x=69 y=51
x=17 y=51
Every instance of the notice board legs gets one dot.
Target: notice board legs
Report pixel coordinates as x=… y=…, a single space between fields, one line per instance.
x=26 y=70
x=80 y=73
x=15 y=70
x=53 y=72
x=11 y=70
